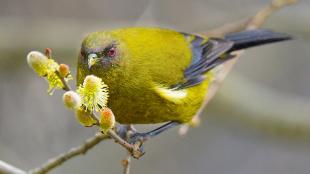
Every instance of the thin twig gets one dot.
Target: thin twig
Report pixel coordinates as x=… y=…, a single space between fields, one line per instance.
x=80 y=150
x=126 y=163
x=64 y=82
x=6 y=168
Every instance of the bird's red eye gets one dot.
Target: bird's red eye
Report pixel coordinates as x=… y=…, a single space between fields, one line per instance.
x=111 y=52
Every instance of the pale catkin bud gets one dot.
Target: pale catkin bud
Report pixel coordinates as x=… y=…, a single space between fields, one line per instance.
x=84 y=118
x=107 y=119
x=47 y=67
x=38 y=62
x=63 y=70
x=71 y=99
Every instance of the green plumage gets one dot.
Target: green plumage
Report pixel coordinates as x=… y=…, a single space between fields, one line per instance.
x=147 y=76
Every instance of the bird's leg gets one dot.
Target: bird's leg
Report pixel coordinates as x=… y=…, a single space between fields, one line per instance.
x=137 y=136
x=122 y=130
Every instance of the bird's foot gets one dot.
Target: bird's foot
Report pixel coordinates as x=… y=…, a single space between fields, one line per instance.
x=136 y=139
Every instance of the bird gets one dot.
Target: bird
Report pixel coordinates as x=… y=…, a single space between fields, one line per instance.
x=160 y=75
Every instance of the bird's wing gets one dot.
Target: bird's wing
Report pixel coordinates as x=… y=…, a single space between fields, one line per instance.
x=207 y=54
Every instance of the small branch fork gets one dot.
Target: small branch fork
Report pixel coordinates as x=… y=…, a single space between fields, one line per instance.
x=134 y=149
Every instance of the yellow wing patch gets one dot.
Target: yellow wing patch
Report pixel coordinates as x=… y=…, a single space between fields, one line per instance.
x=175 y=96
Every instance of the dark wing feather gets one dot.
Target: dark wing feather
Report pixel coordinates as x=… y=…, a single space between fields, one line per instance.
x=206 y=55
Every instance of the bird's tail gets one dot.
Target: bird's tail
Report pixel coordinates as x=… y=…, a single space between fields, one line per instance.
x=251 y=38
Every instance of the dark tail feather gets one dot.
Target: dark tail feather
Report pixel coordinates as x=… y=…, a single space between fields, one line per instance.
x=251 y=38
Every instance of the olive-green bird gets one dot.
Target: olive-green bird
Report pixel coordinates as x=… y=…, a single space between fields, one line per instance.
x=157 y=75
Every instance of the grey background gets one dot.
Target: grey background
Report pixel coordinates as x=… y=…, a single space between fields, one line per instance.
x=233 y=138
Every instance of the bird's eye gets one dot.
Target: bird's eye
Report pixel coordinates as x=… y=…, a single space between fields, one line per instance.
x=111 y=52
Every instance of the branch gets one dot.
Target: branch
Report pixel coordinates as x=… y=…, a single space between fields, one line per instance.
x=6 y=168
x=252 y=22
x=80 y=150
x=133 y=149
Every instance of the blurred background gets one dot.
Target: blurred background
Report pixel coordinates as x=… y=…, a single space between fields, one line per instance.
x=258 y=122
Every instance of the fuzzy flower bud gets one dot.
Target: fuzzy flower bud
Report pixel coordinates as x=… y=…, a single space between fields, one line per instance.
x=38 y=62
x=46 y=67
x=63 y=70
x=84 y=118
x=107 y=119
x=71 y=99
x=94 y=93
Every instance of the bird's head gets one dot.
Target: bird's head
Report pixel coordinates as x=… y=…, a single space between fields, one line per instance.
x=100 y=51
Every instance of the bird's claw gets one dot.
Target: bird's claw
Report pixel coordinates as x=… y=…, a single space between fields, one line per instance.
x=138 y=150
x=135 y=138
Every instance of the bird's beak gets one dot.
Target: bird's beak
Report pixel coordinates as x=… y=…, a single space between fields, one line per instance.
x=92 y=60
